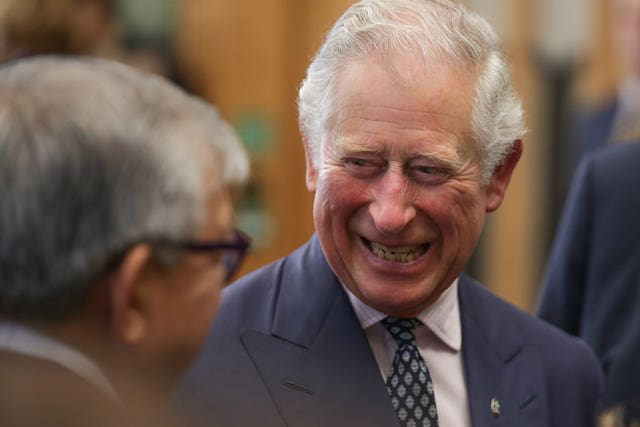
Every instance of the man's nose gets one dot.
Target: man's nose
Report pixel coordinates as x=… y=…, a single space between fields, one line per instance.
x=392 y=206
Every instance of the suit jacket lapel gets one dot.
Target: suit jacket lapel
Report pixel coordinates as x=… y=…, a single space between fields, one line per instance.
x=319 y=368
x=316 y=362
x=504 y=380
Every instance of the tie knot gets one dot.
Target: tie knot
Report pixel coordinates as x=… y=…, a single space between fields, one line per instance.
x=401 y=329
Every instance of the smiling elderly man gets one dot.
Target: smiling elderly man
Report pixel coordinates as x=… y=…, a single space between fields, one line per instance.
x=412 y=132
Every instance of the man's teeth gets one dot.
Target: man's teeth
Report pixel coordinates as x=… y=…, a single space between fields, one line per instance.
x=399 y=253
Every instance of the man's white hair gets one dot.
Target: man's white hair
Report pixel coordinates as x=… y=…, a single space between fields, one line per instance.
x=436 y=31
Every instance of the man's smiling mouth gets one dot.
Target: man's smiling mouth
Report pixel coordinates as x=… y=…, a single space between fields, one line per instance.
x=402 y=254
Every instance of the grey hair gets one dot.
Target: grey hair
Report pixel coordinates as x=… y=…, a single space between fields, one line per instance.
x=94 y=157
x=433 y=30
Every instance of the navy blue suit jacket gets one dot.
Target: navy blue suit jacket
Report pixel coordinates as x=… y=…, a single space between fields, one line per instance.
x=592 y=284
x=287 y=349
x=591 y=131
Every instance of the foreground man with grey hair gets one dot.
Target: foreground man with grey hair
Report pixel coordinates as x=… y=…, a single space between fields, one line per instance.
x=116 y=225
x=412 y=131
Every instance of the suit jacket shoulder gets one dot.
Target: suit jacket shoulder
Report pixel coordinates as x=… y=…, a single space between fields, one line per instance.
x=539 y=374
x=36 y=392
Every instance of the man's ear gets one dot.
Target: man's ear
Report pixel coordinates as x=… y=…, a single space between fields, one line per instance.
x=312 y=172
x=497 y=187
x=128 y=315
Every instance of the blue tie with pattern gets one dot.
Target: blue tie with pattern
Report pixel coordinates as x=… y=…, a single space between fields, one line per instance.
x=409 y=384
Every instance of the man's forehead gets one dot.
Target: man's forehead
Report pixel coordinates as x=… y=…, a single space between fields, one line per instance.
x=437 y=89
x=406 y=68
x=366 y=128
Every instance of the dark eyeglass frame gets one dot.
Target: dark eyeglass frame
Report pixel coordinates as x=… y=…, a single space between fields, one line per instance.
x=234 y=252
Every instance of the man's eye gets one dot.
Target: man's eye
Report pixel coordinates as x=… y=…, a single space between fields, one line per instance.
x=362 y=168
x=358 y=162
x=428 y=170
x=429 y=174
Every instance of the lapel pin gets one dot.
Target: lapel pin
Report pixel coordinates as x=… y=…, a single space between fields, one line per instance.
x=495 y=407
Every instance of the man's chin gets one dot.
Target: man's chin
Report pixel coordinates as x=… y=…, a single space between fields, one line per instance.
x=399 y=303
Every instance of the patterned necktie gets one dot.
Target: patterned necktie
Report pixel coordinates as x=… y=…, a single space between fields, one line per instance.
x=409 y=384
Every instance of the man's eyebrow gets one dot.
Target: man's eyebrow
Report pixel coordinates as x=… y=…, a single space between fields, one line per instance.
x=444 y=159
x=346 y=147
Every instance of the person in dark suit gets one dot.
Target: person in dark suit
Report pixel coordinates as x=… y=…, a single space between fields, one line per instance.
x=412 y=131
x=592 y=284
x=116 y=226
x=615 y=120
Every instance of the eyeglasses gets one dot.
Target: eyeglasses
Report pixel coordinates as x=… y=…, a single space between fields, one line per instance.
x=233 y=252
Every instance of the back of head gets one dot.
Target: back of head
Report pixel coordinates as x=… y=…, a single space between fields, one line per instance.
x=434 y=32
x=95 y=157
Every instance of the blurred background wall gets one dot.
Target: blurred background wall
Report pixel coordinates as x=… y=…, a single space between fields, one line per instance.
x=248 y=57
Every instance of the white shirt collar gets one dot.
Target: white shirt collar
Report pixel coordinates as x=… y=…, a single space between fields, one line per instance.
x=24 y=340
x=442 y=317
